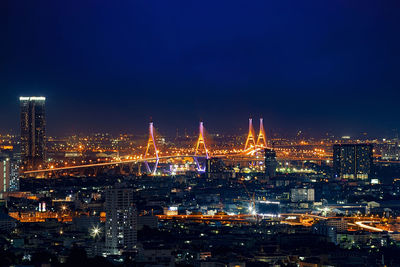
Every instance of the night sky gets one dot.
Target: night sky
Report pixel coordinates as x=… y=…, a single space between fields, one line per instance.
x=111 y=65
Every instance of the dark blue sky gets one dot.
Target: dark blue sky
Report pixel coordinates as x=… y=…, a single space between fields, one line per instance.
x=110 y=65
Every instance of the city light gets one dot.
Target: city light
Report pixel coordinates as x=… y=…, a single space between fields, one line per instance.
x=200 y=134
x=95 y=231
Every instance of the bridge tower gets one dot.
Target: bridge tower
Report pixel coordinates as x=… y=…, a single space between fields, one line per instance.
x=201 y=143
x=151 y=143
x=250 y=141
x=261 y=140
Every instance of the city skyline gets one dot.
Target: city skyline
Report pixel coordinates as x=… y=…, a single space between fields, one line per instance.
x=204 y=134
x=323 y=66
x=239 y=130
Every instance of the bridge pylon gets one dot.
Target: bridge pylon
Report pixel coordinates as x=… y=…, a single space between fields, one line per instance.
x=261 y=140
x=201 y=144
x=151 y=143
x=250 y=141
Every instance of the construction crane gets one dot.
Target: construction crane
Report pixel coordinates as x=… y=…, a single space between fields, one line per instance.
x=252 y=207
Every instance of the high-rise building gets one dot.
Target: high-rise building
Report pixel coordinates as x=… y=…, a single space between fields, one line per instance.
x=302 y=194
x=270 y=163
x=8 y=157
x=14 y=176
x=5 y=173
x=352 y=161
x=391 y=150
x=214 y=166
x=33 y=131
x=121 y=221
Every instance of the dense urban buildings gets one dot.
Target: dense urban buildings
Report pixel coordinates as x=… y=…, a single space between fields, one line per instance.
x=33 y=131
x=282 y=203
x=195 y=134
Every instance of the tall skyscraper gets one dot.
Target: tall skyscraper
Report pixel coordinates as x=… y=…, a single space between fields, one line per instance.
x=121 y=221
x=270 y=163
x=352 y=161
x=33 y=132
x=5 y=172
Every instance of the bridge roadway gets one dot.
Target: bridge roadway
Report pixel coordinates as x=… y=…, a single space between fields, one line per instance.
x=134 y=161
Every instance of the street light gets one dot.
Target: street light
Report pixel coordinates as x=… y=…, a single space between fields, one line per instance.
x=95 y=231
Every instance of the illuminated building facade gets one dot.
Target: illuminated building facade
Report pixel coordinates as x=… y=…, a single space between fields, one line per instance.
x=121 y=221
x=33 y=131
x=10 y=159
x=352 y=161
x=391 y=151
x=5 y=173
x=302 y=194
